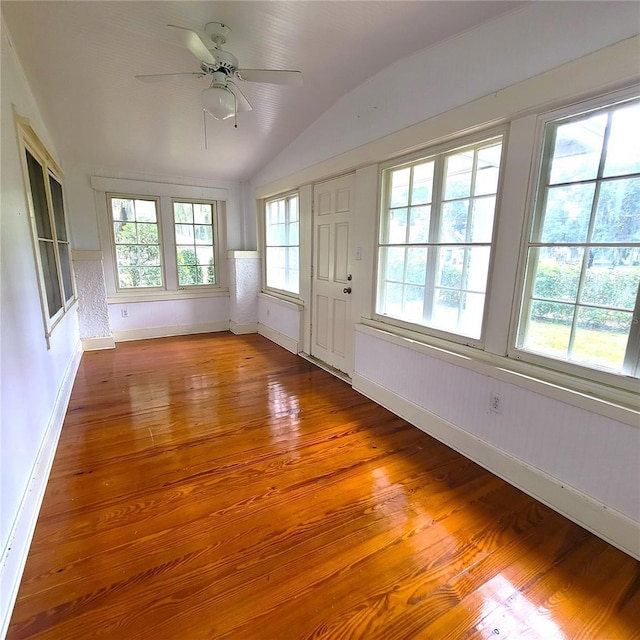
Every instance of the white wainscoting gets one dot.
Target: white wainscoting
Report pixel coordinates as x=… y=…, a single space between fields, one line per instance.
x=581 y=464
x=280 y=321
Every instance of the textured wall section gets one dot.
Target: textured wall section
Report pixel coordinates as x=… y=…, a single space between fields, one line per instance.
x=244 y=286
x=596 y=455
x=92 y=299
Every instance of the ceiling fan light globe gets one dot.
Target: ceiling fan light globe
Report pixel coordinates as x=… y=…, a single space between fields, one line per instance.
x=219 y=103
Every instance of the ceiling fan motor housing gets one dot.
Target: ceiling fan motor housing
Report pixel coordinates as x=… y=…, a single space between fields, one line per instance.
x=218 y=32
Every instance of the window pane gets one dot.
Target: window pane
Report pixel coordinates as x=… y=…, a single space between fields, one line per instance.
x=186 y=255
x=416 y=265
x=189 y=275
x=450 y=265
x=125 y=233
x=549 y=328
x=623 y=150
x=413 y=304
x=145 y=210
x=601 y=337
x=477 y=268
x=422 y=190
x=50 y=275
x=453 y=223
x=150 y=276
x=147 y=233
x=202 y=214
x=471 y=313
x=397 y=230
x=122 y=209
x=577 y=151
x=204 y=255
x=557 y=272
x=58 y=208
x=183 y=212
x=400 y=187
x=65 y=267
x=488 y=170
x=282 y=239
x=420 y=222
x=612 y=285
x=618 y=212
x=482 y=212
x=40 y=209
x=567 y=213
x=149 y=255
x=203 y=234
x=458 y=175
x=445 y=309
x=126 y=255
x=394 y=263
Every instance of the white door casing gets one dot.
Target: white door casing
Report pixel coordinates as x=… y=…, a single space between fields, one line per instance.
x=331 y=327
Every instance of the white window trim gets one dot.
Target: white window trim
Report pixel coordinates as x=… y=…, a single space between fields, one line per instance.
x=446 y=146
x=164 y=192
x=216 y=242
x=29 y=141
x=587 y=378
x=131 y=196
x=283 y=294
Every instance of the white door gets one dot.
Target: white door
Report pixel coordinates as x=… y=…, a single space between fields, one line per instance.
x=331 y=324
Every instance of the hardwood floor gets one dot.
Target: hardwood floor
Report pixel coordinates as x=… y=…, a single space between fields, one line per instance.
x=217 y=486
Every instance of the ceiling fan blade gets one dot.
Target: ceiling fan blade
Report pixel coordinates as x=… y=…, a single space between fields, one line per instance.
x=161 y=77
x=242 y=102
x=196 y=43
x=271 y=76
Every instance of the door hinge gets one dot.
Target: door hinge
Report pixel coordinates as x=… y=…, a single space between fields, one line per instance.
x=312 y=271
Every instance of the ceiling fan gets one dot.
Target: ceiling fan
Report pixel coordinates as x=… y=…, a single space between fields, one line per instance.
x=223 y=99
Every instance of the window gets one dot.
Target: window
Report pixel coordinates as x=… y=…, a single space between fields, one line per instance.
x=48 y=223
x=282 y=244
x=581 y=292
x=436 y=233
x=136 y=235
x=194 y=229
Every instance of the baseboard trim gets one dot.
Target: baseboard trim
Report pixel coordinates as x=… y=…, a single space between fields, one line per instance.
x=165 y=332
x=95 y=344
x=14 y=556
x=279 y=338
x=241 y=329
x=610 y=525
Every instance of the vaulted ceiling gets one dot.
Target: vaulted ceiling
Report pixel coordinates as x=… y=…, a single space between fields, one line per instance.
x=81 y=58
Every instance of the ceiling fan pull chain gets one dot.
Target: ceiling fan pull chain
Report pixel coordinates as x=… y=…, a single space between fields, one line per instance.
x=204 y=123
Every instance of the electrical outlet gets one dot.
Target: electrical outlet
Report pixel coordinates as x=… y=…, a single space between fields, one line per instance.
x=124 y=313
x=495 y=403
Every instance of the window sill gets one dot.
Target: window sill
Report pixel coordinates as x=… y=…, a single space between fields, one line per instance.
x=617 y=404
x=153 y=296
x=283 y=297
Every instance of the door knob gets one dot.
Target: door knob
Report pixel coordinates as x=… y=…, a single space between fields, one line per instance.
x=346 y=290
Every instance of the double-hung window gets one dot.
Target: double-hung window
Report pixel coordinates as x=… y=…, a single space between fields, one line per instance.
x=194 y=224
x=435 y=239
x=137 y=241
x=282 y=230
x=49 y=229
x=581 y=300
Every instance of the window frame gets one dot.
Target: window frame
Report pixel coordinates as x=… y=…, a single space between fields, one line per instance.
x=214 y=232
x=133 y=290
x=284 y=293
x=539 y=161
x=29 y=142
x=445 y=147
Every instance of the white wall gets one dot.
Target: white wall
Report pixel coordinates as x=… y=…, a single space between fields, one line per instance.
x=515 y=46
x=35 y=381
x=583 y=460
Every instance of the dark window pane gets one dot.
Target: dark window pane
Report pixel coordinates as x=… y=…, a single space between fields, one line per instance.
x=40 y=209
x=58 y=208
x=50 y=275
x=65 y=267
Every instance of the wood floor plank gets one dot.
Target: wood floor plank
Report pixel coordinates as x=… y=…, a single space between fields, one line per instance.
x=217 y=486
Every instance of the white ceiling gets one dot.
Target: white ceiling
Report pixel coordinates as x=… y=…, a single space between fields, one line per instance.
x=81 y=57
